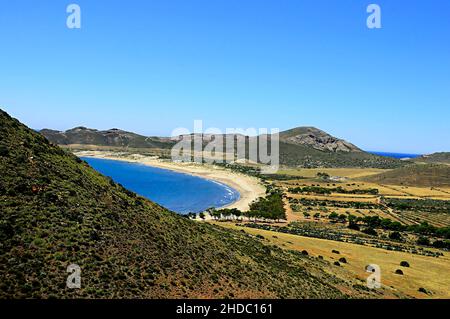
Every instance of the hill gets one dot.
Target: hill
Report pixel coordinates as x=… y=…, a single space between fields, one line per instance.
x=299 y=147
x=302 y=156
x=309 y=147
x=442 y=157
x=55 y=210
x=113 y=137
x=426 y=175
x=317 y=139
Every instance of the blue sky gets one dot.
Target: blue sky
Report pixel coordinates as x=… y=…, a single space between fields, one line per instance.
x=151 y=66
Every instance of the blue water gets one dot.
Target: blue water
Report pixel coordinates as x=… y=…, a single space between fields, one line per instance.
x=182 y=193
x=396 y=155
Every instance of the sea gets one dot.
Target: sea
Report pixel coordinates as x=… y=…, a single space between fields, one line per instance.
x=396 y=155
x=179 y=192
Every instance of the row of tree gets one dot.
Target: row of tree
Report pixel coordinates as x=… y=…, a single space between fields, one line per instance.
x=270 y=207
x=385 y=223
x=328 y=190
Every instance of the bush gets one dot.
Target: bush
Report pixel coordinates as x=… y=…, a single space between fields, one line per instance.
x=399 y=272
x=304 y=252
x=353 y=225
x=421 y=289
x=335 y=251
x=3 y=150
x=441 y=244
x=423 y=241
x=336 y=263
x=370 y=231
x=395 y=235
x=270 y=207
x=333 y=216
x=343 y=260
x=404 y=264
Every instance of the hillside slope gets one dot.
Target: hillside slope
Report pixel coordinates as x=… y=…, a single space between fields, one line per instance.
x=426 y=175
x=308 y=157
x=442 y=157
x=55 y=210
x=112 y=137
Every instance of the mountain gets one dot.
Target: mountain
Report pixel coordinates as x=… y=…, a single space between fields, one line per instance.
x=299 y=147
x=317 y=139
x=113 y=137
x=305 y=136
x=310 y=147
x=418 y=175
x=442 y=157
x=55 y=210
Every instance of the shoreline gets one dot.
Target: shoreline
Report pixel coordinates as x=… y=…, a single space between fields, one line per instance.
x=248 y=187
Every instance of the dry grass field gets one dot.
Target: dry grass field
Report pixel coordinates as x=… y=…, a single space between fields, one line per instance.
x=430 y=273
x=343 y=172
x=351 y=183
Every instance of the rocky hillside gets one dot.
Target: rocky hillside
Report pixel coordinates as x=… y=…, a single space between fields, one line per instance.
x=55 y=210
x=317 y=139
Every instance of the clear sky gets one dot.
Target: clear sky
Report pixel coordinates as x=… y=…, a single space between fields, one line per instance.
x=153 y=65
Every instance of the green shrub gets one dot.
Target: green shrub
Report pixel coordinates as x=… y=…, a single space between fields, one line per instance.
x=395 y=235
x=424 y=241
x=370 y=231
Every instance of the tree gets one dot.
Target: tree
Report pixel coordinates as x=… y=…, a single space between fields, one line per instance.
x=370 y=231
x=226 y=213
x=395 y=235
x=323 y=176
x=237 y=213
x=353 y=222
x=333 y=216
x=423 y=241
x=270 y=207
x=441 y=244
x=342 y=218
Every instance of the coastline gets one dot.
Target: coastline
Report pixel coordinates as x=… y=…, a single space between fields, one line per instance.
x=249 y=187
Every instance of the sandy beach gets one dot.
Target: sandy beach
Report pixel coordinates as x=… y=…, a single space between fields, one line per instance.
x=248 y=187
